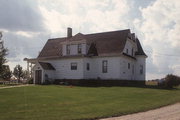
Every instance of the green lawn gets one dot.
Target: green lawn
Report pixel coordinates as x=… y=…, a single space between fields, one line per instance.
x=63 y=102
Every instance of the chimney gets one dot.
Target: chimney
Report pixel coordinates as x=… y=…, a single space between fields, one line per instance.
x=69 y=32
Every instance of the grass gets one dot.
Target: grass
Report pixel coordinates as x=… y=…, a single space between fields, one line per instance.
x=9 y=84
x=65 y=103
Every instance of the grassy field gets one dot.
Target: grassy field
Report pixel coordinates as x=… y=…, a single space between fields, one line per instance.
x=64 y=102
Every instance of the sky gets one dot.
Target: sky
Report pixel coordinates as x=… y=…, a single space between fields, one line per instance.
x=28 y=24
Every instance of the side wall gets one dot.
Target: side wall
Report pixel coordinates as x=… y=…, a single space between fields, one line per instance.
x=63 y=68
x=119 y=67
x=141 y=61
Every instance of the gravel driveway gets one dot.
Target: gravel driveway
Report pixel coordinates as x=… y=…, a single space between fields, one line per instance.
x=171 y=112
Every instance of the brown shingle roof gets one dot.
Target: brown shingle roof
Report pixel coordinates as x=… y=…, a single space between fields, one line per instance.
x=139 y=47
x=103 y=43
x=46 y=66
x=52 y=48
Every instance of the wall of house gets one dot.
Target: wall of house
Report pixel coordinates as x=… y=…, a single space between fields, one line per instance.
x=117 y=68
x=63 y=68
x=127 y=73
x=141 y=61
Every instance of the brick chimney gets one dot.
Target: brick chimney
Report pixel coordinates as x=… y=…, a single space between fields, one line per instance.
x=69 y=32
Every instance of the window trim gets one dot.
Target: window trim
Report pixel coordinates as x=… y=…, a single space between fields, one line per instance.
x=127 y=51
x=87 y=66
x=129 y=66
x=141 y=70
x=79 y=48
x=104 y=66
x=74 y=67
x=67 y=49
x=132 y=52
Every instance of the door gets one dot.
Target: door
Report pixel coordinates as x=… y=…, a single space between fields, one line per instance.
x=38 y=76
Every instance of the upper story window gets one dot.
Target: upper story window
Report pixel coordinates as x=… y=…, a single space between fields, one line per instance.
x=73 y=66
x=88 y=66
x=79 y=48
x=68 y=49
x=129 y=66
x=141 y=69
x=104 y=66
x=127 y=51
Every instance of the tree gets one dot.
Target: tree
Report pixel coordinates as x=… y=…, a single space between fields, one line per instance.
x=3 y=53
x=7 y=74
x=18 y=72
x=171 y=81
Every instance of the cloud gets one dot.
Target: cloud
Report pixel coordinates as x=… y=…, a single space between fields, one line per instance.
x=85 y=16
x=20 y=15
x=160 y=25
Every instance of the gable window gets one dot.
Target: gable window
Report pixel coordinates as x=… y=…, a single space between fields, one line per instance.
x=129 y=66
x=73 y=66
x=141 y=69
x=104 y=66
x=132 y=52
x=127 y=51
x=88 y=66
x=79 y=48
x=68 y=49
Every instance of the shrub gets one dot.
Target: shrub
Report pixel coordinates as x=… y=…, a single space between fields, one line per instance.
x=171 y=81
x=30 y=81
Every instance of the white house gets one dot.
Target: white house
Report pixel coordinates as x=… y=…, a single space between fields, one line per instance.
x=114 y=55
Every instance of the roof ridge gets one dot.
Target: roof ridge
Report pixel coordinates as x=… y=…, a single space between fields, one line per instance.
x=108 y=32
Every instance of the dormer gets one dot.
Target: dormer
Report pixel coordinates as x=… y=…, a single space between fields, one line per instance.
x=130 y=46
x=74 y=45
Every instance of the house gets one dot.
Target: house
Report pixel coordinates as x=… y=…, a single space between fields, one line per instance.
x=114 y=55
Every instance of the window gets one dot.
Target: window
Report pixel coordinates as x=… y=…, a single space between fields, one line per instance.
x=141 y=69
x=104 y=66
x=79 y=48
x=68 y=49
x=88 y=66
x=129 y=66
x=73 y=66
x=127 y=51
x=132 y=52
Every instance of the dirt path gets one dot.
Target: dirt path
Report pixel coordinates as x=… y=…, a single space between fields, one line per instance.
x=14 y=86
x=171 y=112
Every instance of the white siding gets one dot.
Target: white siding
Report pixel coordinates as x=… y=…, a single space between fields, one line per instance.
x=63 y=68
x=140 y=61
x=117 y=68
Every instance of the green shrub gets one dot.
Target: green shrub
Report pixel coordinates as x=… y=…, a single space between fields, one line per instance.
x=30 y=81
x=171 y=81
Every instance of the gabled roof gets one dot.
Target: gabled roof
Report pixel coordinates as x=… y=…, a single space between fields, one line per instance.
x=46 y=66
x=52 y=48
x=104 y=43
x=140 y=51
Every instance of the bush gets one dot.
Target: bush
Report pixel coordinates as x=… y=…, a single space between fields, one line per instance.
x=171 y=81
x=30 y=81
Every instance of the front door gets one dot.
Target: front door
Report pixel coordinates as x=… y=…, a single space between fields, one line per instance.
x=38 y=76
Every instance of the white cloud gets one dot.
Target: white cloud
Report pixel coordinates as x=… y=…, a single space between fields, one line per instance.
x=85 y=16
x=160 y=25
